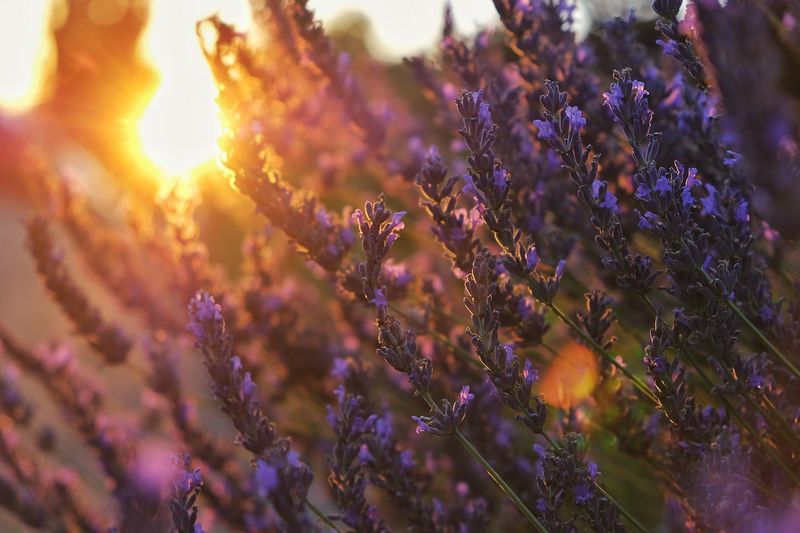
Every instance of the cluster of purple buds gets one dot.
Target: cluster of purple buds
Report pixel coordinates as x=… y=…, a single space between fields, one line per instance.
x=186 y=486
x=446 y=419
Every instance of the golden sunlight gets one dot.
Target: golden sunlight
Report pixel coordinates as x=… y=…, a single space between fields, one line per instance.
x=179 y=129
x=25 y=53
x=571 y=377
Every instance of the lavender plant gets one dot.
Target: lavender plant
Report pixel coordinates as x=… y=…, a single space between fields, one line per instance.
x=578 y=273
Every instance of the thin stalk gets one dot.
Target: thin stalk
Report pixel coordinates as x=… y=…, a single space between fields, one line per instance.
x=744 y=423
x=773 y=424
x=649 y=303
x=755 y=329
x=773 y=409
x=321 y=516
x=638 y=383
x=548 y=348
x=460 y=352
x=622 y=510
x=496 y=477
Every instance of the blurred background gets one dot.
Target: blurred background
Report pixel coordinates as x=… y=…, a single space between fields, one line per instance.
x=118 y=92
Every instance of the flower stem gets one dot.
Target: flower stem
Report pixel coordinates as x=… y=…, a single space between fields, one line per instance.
x=321 y=516
x=622 y=510
x=496 y=477
x=638 y=383
x=774 y=421
x=755 y=329
x=744 y=423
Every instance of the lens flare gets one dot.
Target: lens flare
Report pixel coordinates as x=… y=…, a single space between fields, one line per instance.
x=26 y=53
x=179 y=129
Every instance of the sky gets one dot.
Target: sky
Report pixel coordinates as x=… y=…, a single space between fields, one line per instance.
x=400 y=28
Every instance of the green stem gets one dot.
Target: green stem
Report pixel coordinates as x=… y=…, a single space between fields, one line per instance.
x=321 y=516
x=774 y=410
x=755 y=329
x=496 y=477
x=622 y=510
x=649 y=303
x=744 y=423
x=638 y=383
x=460 y=352
x=778 y=426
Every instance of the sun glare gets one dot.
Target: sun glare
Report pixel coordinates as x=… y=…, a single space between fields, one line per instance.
x=25 y=53
x=179 y=129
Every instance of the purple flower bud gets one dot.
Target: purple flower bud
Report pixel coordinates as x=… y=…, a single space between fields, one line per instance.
x=364 y=457
x=593 y=471
x=465 y=396
x=484 y=115
x=560 y=268
x=248 y=387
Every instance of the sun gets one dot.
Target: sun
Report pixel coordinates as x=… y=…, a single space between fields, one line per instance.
x=180 y=127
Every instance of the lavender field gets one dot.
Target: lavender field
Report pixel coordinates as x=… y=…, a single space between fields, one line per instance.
x=541 y=277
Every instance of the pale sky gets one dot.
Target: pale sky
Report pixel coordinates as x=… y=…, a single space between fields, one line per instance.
x=400 y=27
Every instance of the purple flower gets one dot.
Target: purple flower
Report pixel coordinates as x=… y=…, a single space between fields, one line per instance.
x=613 y=98
x=669 y=46
x=583 y=494
x=531 y=258
x=691 y=178
x=380 y=301
x=687 y=198
x=529 y=374
x=484 y=114
x=709 y=203
x=422 y=425
x=560 y=268
x=741 y=214
x=663 y=186
x=465 y=396
x=205 y=315
x=648 y=221
x=265 y=478
x=546 y=130
x=638 y=90
x=500 y=179
x=575 y=117
x=608 y=200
